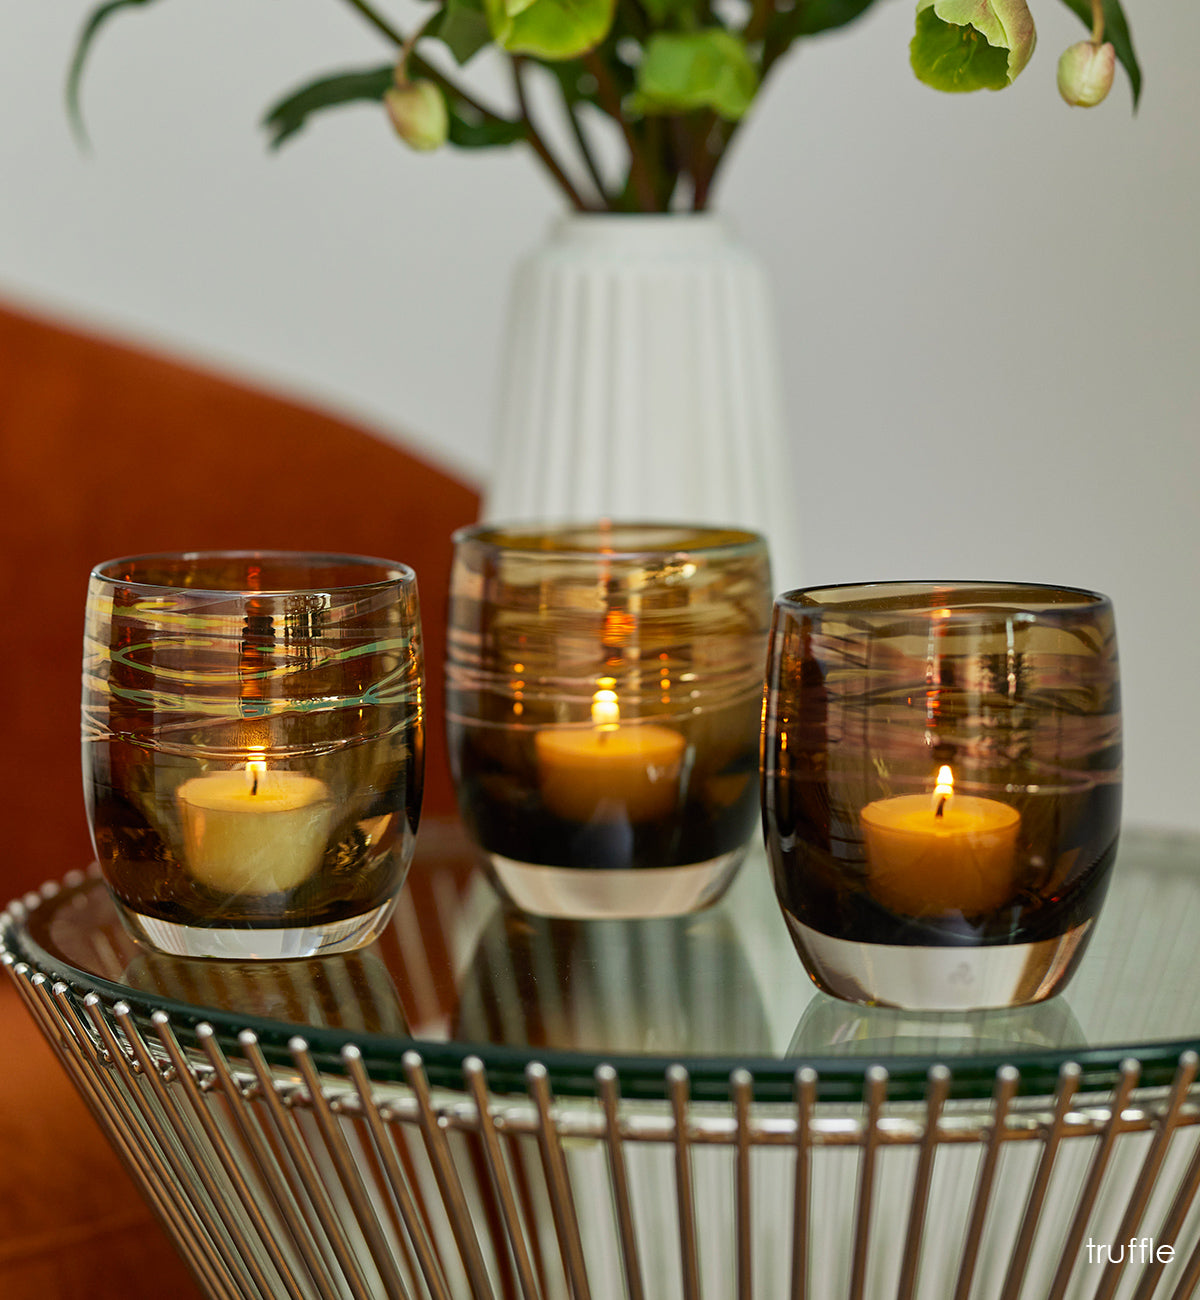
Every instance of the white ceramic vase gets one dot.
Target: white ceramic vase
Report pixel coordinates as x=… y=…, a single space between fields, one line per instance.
x=640 y=379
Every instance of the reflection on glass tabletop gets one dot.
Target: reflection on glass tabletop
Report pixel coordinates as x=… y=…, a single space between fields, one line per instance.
x=457 y=975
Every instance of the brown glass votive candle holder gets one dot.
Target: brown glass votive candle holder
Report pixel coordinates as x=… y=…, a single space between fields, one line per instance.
x=253 y=747
x=604 y=691
x=942 y=786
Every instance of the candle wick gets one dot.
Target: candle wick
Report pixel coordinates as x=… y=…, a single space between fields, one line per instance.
x=254 y=785
x=941 y=806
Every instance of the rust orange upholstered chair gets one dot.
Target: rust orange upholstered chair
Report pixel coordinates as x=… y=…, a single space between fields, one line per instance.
x=108 y=450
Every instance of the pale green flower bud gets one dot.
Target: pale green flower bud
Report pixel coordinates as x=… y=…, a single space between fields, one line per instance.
x=1085 y=73
x=418 y=112
x=971 y=44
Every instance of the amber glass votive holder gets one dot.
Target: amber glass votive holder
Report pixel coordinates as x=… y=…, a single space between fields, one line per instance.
x=604 y=693
x=253 y=747
x=942 y=786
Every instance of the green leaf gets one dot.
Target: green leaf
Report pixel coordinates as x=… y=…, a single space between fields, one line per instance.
x=576 y=83
x=812 y=16
x=291 y=114
x=462 y=26
x=471 y=129
x=83 y=46
x=681 y=71
x=664 y=12
x=550 y=29
x=1116 y=30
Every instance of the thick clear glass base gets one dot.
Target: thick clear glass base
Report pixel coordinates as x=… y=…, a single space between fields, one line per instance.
x=259 y=944
x=938 y=978
x=613 y=894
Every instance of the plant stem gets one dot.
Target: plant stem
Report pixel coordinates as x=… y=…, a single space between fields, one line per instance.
x=539 y=145
x=774 y=48
x=376 y=20
x=430 y=73
x=406 y=50
x=585 y=150
x=636 y=19
x=425 y=69
x=710 y=154
x=760 y=17
x=1097 y=22
x=663 y=141
x=610 y=100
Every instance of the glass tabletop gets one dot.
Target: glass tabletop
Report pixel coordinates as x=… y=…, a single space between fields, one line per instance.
x=456 y=975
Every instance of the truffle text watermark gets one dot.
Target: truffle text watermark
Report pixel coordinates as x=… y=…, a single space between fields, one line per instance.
x=1141 y=1250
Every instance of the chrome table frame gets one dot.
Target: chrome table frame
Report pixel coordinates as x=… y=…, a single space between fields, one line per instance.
x=305 y=1180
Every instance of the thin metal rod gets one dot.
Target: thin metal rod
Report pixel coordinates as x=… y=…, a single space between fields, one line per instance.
x=429 y=1214
x=1130 y=1071
x=352 y=1183
x=741 y=1088
x=1185 y=1075
x=1185 y=1193
x=476 y=1080
x=120 y=1121
x=521 y=1160
x=267 y=1163
x=242 y=1256
x=386 y=1151
x=289 y=1133
x=447 y=1179
x=1189 y=1279
x=678 y=1090
x=805 y=1092
x=185 y=1078
x=876 y=1092
x=1007 y=1079
x=609 y=1093
x=1068 y=1084
x=218 y=1277
x=558 y=1183
x=73 y=1046
x=59 y=1023
x=936 y=1091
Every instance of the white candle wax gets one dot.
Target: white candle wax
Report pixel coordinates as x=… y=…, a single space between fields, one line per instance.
x=254 y=831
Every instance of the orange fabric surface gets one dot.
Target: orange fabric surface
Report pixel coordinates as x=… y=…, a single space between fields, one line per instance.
x=105 y=451
x=72 y=1224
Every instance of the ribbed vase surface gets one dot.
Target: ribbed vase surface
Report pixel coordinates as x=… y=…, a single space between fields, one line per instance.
x=640 y=379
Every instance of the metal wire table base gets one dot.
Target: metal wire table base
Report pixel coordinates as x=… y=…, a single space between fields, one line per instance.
x=286 y=1181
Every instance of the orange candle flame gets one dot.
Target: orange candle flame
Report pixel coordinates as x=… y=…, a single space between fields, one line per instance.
x=943 y=791
x=254 y=770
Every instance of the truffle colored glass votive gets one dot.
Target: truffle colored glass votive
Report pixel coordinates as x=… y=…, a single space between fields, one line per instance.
x=604 y=692
x=942 y=786
x=253 y=747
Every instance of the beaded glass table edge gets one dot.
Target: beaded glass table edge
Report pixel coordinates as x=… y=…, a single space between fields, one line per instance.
x=307 y=1176
x=1129 y=950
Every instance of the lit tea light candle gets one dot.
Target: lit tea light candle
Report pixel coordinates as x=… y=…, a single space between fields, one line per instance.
x=255 y=831
x=610 y=770
x=951 y=853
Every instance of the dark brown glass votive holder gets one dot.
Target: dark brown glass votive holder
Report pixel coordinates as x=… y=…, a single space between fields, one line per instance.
x=253 y=747
x=604 y=693
x=942 y=786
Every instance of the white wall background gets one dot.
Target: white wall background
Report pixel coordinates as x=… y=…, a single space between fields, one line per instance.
x=990 y=305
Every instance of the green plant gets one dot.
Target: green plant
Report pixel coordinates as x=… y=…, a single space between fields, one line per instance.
x=675 y=78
